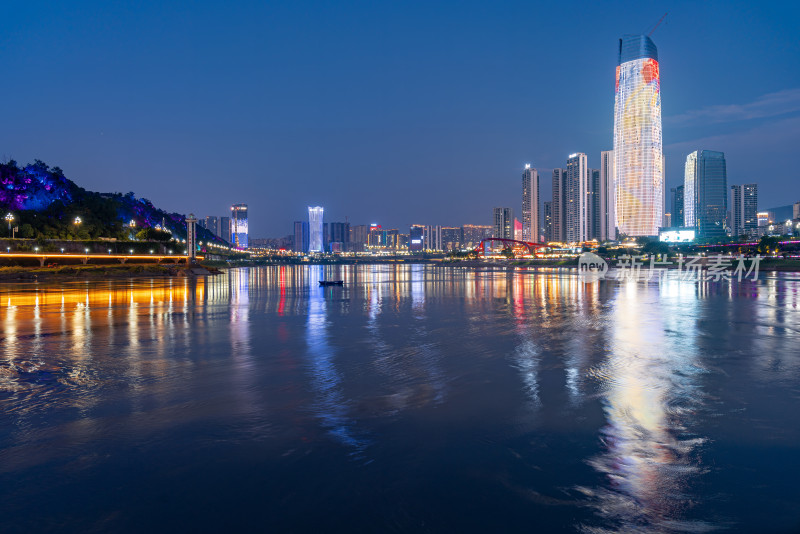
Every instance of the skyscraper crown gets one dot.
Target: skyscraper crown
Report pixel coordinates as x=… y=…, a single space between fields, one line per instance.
x=636 y=47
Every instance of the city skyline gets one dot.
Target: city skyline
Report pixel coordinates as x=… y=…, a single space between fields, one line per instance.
x=261 y=136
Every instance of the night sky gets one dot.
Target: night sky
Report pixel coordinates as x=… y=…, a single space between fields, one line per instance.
x=395 y=113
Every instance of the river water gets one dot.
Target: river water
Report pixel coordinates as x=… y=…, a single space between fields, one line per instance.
x=414 y=398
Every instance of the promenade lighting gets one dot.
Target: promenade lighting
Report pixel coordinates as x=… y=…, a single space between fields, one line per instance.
x=77 y=220
x=9 y=218
x=62 y=250
x=131 y=251
x=86 y=250
x=151 y=251
x=8 y=249
x=109 y=251
x=36 y=249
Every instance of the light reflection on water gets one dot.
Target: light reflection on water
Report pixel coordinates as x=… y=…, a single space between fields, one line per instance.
x=599 y=407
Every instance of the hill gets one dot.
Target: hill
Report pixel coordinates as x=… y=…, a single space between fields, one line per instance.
x=45 y=204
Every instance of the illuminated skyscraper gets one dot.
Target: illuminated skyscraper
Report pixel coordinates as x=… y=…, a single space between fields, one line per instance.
x=530 y=204
x=706 y=193
x=315 y=237
x=606 y=194
x=576 y=187
x=744 y=206
x=503 y=223
x=239 y=225
x=638 y=155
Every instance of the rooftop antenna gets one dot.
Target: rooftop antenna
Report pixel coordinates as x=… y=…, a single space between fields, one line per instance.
x=658 y=23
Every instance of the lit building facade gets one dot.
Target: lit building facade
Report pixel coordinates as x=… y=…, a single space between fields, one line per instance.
x=416 y=236
x=705 y=203
x=473 y=234
x=451 y=237
x=225 y=229
x=607 y=197
x=638 y=154
x=744 y=207
x=315 y=233
x=547 y=221
x=559 y=182
x=530 y=204
x=576 y=219
x=239 y=225
x=300 y=237
x=212 y=224
x=677 y=205
x=503 y=223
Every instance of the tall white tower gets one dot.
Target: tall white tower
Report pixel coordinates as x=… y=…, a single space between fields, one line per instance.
x=530 y=204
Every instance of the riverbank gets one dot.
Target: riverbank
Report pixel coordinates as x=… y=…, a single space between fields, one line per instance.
x=100 y=272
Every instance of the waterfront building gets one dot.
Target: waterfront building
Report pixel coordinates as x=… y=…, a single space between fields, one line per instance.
x=225 y=229
x=676 y=205
x=474 y=234
x=547 y=221
x=575 y=199
x=638 y=155
x=559 y=179
x=239 y=225
x=316 y=241
x=503 y=223
x=744 y=207
x=340 y=236
x=530 y=204
x=763 y=218
x=451 y=238
x=300 y=244
x=432 y=238
x=706 y=193
x=416 y=234
x=606 y=197
x=359 y=234
x=593 y=210
x=212 y=224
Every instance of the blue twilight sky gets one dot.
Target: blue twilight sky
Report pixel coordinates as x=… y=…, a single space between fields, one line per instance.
x=389 y=112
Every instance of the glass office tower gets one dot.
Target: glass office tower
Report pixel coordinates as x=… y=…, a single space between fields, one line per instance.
x=638 y=155
x=705 y=205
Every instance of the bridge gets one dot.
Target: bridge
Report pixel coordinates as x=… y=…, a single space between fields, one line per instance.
x=45 y=257
x=515 y=245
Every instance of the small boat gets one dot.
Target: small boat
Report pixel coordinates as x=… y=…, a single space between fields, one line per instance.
x=326 y=283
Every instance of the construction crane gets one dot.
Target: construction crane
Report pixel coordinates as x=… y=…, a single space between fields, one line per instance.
x=657 y=23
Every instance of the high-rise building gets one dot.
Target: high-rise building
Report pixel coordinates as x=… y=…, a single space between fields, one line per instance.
x=300 y=237
x=559 y=179
x=638 y=155
x=474 y=234
x=593 y=212
x=451 y=237
x=744 y=206
x=239 y=224
x=416 y=238
x=432 y=238
x=547 y=222
x=705 y=202
x=530 y=204
x=676 y=208
x=315 y=232
x=575 y=196
x=606 y=196
x=212 y=224
x=503 y=223
x=340 y=234
x=359 y=234
x=225 y=229
x=796 y=210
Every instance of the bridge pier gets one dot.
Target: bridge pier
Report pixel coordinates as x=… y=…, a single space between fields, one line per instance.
x=122 y=260
x=85 y=260
x=42 y=260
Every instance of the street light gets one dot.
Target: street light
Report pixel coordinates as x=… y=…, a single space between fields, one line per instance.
x=9 y=218
x=77 y=220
